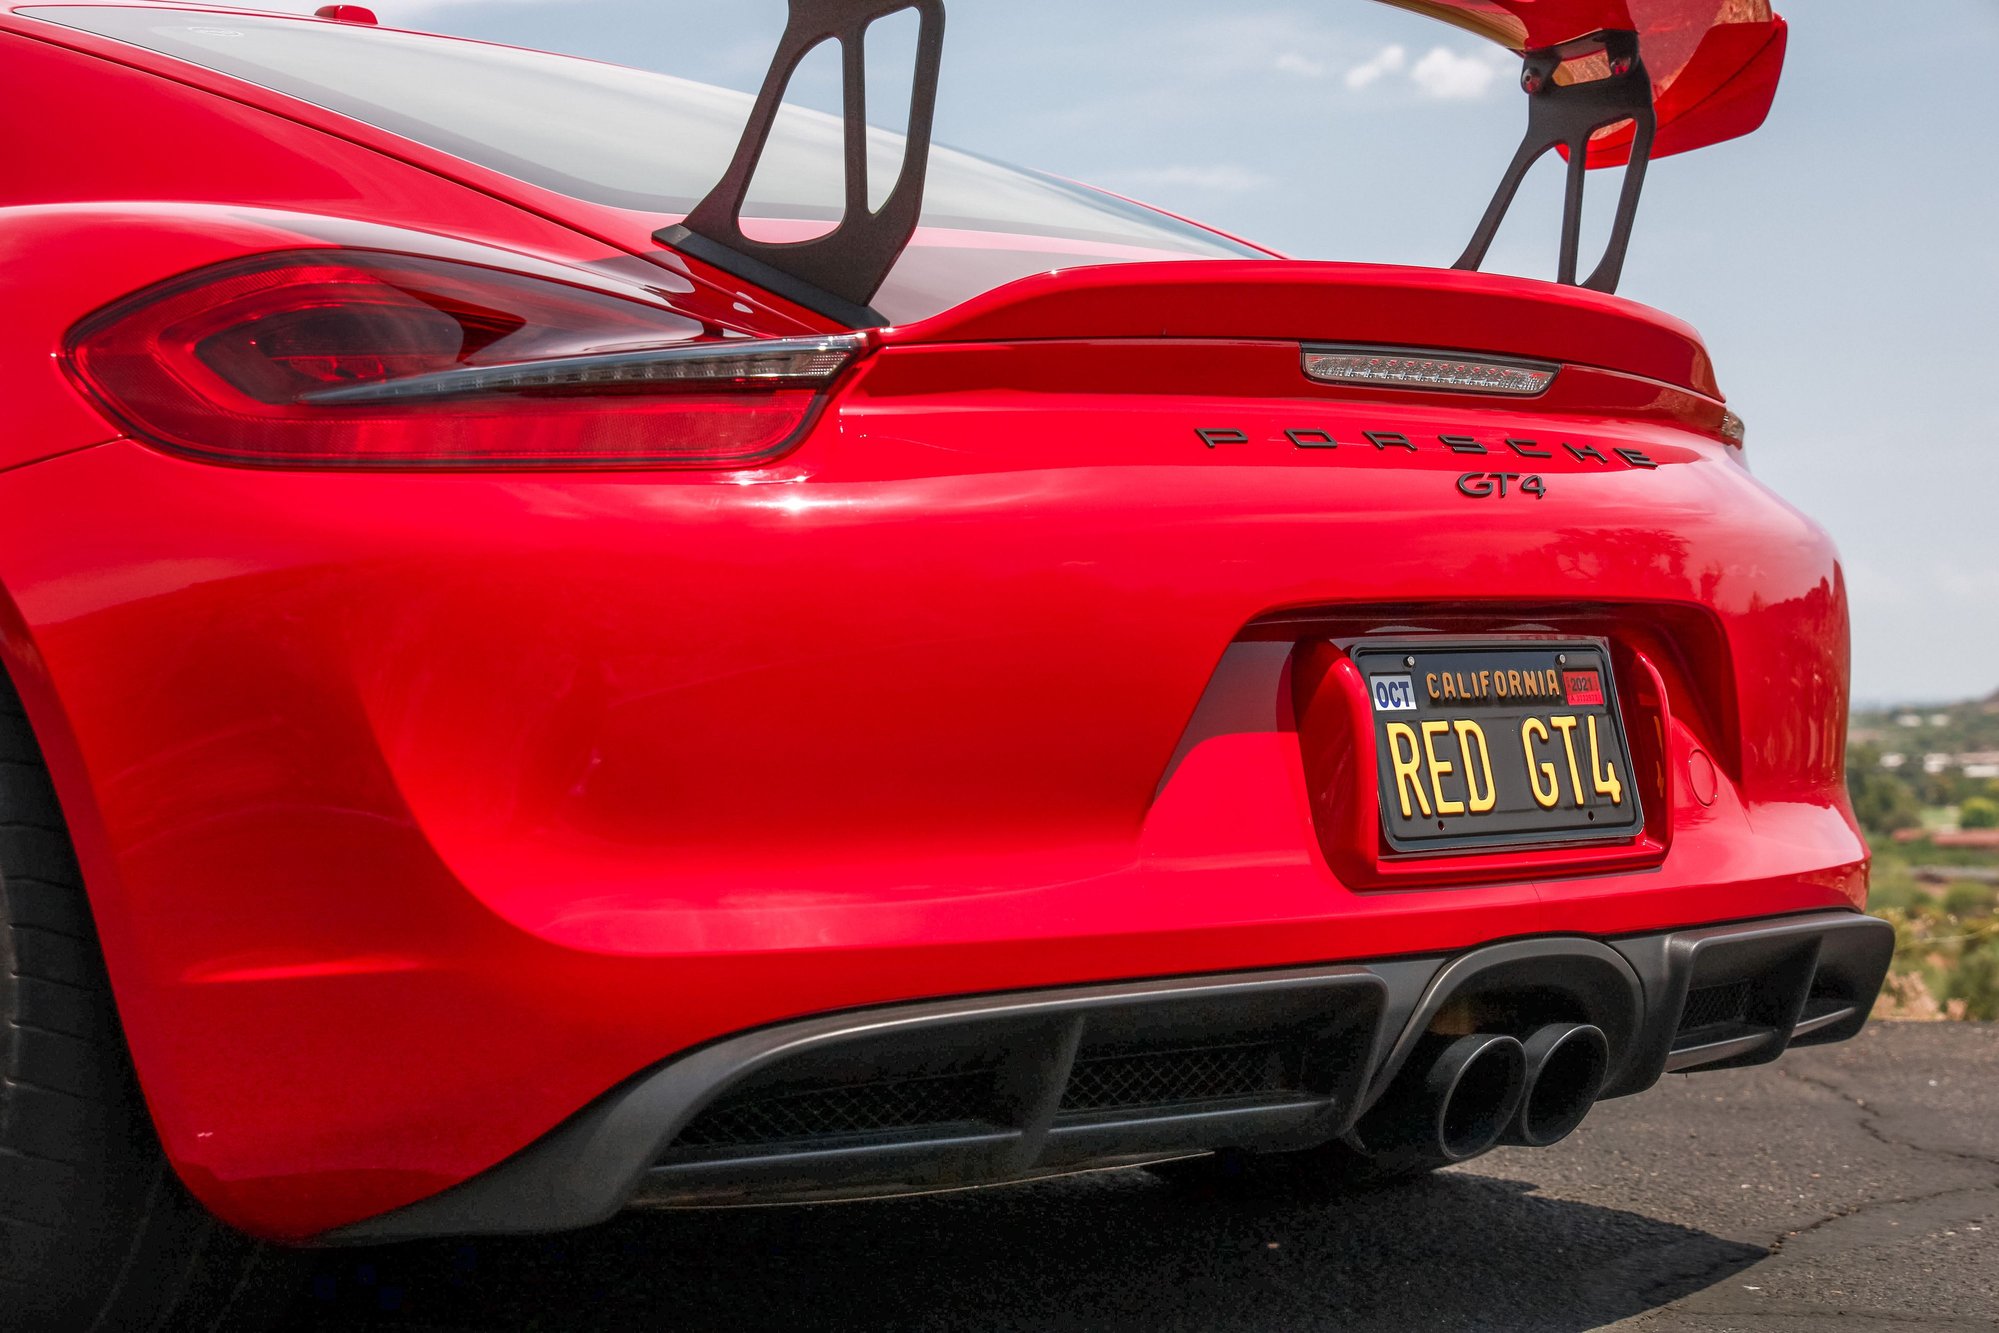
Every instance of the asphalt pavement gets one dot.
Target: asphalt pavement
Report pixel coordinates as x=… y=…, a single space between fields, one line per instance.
x=1854 y=1187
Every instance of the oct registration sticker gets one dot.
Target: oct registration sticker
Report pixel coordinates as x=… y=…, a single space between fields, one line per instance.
x=1501 y=743
x=1393 y=694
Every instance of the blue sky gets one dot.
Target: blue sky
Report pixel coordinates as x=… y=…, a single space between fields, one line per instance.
x=1840 y=262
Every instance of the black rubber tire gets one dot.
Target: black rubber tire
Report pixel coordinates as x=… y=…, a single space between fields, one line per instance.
x=96 y=1232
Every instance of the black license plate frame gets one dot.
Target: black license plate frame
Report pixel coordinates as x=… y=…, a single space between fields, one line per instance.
x=1427 y=779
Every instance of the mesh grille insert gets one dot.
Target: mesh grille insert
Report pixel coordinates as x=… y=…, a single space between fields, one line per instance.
x=855 y=1108
x=1712 y=1006
x=1158 y=1078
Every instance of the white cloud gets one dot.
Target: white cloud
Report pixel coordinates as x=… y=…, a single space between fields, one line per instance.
x=1980 y=586
x=1293 y=63
x=1445 y=74
x=1389 y=60
x=1223 y=178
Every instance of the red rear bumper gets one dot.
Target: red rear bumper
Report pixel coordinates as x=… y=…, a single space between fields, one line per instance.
x=420 y=811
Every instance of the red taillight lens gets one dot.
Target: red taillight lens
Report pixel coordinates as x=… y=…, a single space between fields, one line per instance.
x=326 y=358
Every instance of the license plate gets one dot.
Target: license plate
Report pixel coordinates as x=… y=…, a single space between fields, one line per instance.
x=1489 y=745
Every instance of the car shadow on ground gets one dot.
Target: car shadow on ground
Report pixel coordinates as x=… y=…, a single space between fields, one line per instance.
x=1113 y=1251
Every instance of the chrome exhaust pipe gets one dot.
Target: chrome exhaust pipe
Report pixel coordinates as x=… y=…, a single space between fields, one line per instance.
x=1453 y=1102
x=1566 y=1066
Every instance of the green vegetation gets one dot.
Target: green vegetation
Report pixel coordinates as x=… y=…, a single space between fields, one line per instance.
x=1882 y=801
x=1922 y=788
x=1946 y=950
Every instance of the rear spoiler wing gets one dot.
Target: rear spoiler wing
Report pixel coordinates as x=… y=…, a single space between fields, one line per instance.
x=1608 y=83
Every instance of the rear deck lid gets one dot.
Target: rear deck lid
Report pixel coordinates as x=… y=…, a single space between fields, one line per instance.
x=1371 y=304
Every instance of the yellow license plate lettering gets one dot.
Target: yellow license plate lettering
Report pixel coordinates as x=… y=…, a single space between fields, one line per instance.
x=1603 y=774
x=1408 y=769
x=1472 y=734
x=1439 y=768
x=1540 y=774
x=1566 y=724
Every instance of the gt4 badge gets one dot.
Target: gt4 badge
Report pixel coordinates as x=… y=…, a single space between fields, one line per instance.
x=1480 y=485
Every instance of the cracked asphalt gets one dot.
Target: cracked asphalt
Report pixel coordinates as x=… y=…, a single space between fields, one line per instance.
x=1853 y=1187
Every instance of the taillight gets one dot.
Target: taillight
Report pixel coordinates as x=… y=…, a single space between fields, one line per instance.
x=324 y=358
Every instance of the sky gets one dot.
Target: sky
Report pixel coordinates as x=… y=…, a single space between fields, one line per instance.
x=1840 y=262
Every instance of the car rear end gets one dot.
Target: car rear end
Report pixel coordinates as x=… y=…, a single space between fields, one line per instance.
x=548 y=726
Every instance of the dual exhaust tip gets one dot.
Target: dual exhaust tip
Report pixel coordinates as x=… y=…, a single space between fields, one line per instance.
x=1461 y=1096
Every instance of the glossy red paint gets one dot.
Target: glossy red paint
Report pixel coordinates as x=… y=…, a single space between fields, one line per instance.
x=419 y=810
x=1375 y=303
x=1715 y=64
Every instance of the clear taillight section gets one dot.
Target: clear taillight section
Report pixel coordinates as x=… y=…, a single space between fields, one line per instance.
x=1409 y=368
x=774 y=364
x=330 y=358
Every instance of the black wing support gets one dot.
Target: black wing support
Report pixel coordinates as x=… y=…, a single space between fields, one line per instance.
x=839 y=273
x=1568 y=114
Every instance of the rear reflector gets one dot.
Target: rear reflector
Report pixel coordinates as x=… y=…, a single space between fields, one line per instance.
x=1408 y=368
x=359 y=358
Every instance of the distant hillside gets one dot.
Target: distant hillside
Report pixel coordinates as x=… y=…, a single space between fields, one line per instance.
x=1925 y=785
x=1917 y=768
x=1952 y=729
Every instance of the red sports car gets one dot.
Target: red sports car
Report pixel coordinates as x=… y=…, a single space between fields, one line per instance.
x=575 y=639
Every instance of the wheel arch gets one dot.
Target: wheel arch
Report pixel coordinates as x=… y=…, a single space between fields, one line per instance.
x=28 y=675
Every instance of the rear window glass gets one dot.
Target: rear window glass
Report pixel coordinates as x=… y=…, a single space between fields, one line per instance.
x=653 y=143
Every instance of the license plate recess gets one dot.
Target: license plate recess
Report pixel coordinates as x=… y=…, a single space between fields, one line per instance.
x=1492 y=744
